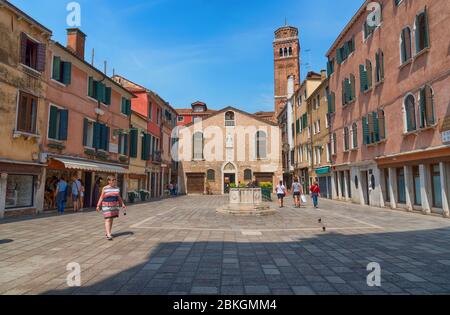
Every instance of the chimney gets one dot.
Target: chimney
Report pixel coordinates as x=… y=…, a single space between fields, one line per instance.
x=323 y=74
x=75 y=41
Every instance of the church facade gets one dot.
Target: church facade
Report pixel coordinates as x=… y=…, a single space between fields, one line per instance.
x=229 y=148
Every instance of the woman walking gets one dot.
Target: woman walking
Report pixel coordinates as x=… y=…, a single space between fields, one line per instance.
x=280 y=190
x=315 y=193
x=110 y=201
x=297 y=192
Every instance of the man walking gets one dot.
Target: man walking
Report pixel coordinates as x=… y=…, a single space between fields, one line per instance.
x=315 y=193
x=76 y=193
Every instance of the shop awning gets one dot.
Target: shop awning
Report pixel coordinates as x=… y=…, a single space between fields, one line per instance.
x=91 y=166
x=323 y=170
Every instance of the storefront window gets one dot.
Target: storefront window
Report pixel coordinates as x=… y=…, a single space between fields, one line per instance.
x=19 y=191
x=401 y=188
x=436 y=182
x=417 y=196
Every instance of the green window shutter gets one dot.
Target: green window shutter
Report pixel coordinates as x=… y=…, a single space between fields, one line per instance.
x=56 y=73
x=376 y=128
x=363 y=78
x=403 y=46
x=63 y=124
x=348 y=90
x=377 y=67
x=417 y=35
x=338 y=56
x=52 y=122
x=347 y=49
x=426 y=39
x=133 y=142
x=369 y=73
x=128 y=107
x=107 y=133
x=67 y=73
x=429 y=105
x=97 y=135
x=125 y=145
x=102 y=95
x=422 y=108
x=85 y=131
x=123 y=106
x=365 y=129
x=108 y=96
x=91 y=87
x=144 y=148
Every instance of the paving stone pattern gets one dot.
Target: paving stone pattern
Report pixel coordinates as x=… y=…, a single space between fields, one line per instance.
x=182 y=246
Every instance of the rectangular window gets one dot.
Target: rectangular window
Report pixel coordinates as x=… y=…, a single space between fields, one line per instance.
x=62 y=70
x=32 y=53
x=417 y=193
x=99 y=91
x=123 y=144
x=88 y=134
x=19 y=191
x=125 y=108
x=150 y=110
x=26 y=113
x=58 y=123
x=401 y=185
x=436 y=185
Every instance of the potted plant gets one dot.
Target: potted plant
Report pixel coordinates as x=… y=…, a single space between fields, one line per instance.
x=144 y=194
x=132 y=196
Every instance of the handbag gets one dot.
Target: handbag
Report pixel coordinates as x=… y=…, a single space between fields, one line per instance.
x=303 y=197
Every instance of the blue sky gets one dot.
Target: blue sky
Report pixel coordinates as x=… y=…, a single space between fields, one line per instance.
x=216 y=51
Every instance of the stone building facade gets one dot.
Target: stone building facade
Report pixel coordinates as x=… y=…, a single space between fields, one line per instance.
x=230 y=147
x=23 y=87
x=391 y=120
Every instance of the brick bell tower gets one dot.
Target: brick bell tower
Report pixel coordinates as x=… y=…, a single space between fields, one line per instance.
x=286 y=49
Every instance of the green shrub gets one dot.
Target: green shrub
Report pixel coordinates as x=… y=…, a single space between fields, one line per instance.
x=266 y=185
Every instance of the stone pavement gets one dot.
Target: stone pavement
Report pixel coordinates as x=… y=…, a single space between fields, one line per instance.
x=182 y=246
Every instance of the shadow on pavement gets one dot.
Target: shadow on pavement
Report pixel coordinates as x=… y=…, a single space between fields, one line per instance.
x=416 y=262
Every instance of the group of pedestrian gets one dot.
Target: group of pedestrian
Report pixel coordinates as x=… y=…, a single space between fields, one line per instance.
x=298 y=194
x=63 y=191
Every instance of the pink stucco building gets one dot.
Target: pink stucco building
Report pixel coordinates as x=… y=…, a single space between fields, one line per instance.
x=390 y=88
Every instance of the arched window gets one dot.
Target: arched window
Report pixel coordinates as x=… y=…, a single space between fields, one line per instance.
x=354 y=136
x=285 y=52
x=281 y=52
x=405 y=45
x=290 y=51
x=421 y=32
x=410 y=113
x=248 y=174
x=261 y=145
x=211 y=175
x=198 y=146
x=426 y=99
x=346 y=139
x=229 y=119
